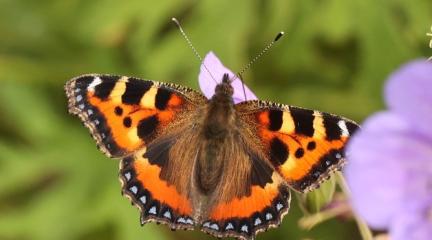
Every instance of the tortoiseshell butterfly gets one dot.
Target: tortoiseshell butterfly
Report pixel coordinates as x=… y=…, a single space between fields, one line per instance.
x=192 y=162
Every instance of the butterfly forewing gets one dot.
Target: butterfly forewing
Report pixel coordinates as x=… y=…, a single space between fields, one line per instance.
x=125 y=113
x=303 y=145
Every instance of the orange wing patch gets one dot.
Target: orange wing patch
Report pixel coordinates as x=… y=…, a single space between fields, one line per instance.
x=301 y=162
x=148 y=176
x=125 y=114
x=157 y=200
x=122 y=121
x=242 y=208
x=245 y=217
x=304 y=146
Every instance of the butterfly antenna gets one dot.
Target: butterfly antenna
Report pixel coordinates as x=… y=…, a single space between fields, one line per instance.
x=240 y=74
x=191 y=46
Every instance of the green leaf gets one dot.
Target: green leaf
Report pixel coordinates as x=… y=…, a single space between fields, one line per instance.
x=314 y=201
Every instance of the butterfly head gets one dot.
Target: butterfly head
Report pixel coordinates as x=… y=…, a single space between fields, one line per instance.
x=224 y=88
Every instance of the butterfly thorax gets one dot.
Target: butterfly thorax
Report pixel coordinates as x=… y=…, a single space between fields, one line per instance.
x=220 y=112
x=219 y=123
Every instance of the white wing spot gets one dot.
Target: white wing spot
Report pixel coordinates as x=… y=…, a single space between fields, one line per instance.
x=152 y=210
x=78 y=98
x=214 y=226
x=81 y=106
x=279 y=206
x=128 y=176
x=269 y=216
x=257 y=221
x=134 y=189
x=143 y=199
x=189 y=221
x=244 y=228
x=89 y=111
x=94 y=83
x=343 y=127
x=167 y=214
x=229 y=226
x=206 y=224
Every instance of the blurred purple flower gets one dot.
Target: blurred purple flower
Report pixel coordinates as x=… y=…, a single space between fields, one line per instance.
x=390 y=159
x=217 y=70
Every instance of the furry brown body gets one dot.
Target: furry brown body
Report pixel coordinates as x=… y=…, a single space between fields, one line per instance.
x=218 y=128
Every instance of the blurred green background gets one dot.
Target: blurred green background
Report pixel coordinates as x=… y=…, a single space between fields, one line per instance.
x=55 y=184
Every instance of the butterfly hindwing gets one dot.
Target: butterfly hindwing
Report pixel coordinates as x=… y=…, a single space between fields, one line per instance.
x=162 y=173
x=303 y=145
x=244 y=217
x=250 y=197
x=159 y=198
x=125 y=113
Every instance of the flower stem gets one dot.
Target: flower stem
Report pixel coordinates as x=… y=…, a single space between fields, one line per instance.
x=364 y=230
x=309 y=222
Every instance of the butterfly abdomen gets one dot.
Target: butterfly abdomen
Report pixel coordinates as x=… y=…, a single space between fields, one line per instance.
x=219 y=123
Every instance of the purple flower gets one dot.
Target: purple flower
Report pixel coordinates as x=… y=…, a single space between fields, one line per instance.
x=208 y=81
x=390 y=159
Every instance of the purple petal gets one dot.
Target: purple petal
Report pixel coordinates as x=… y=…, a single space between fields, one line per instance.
x=387 y=161
x=412 y=224
x=409 y=94
x=208 y=81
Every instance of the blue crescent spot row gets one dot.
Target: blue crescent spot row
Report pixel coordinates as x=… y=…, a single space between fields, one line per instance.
x=258 y=221
x=151 y=208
